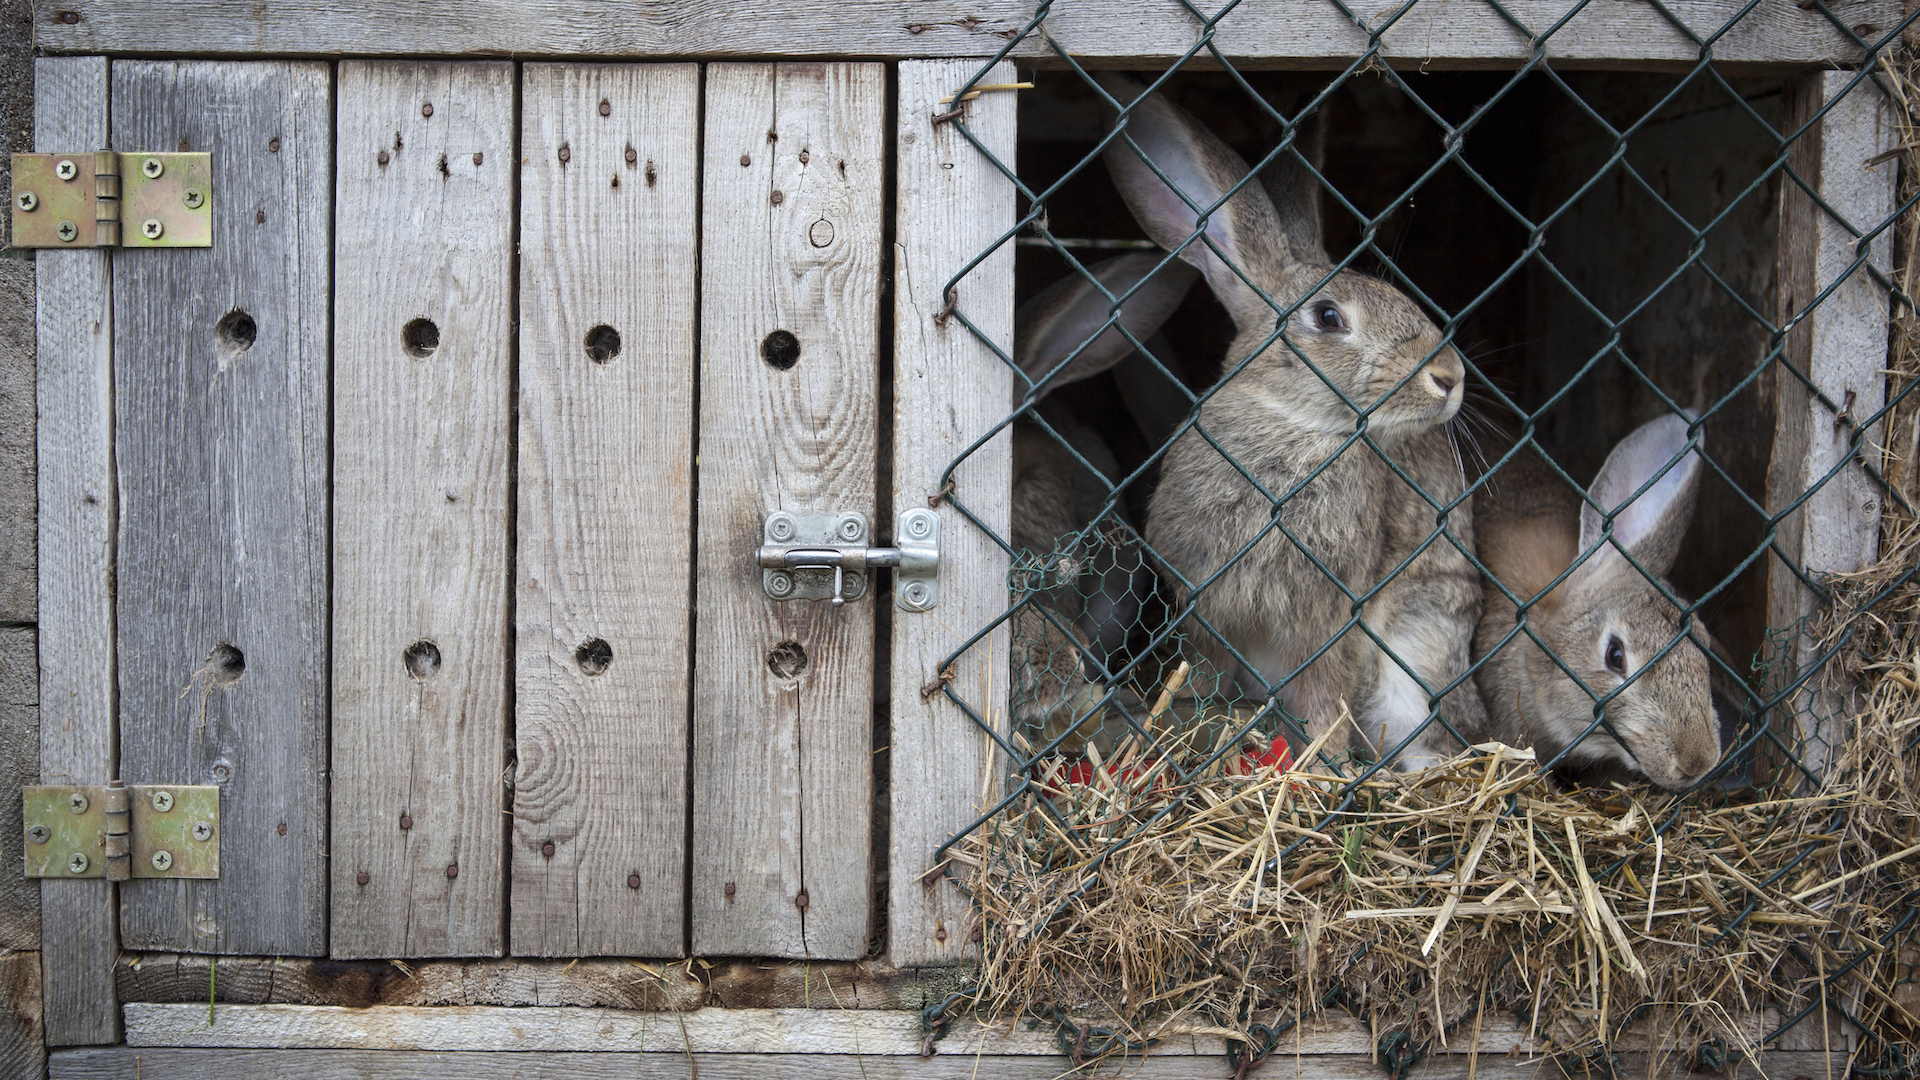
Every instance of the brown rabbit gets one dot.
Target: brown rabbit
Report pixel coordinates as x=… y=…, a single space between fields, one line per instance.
x=1608 y=619
x=1268 y=474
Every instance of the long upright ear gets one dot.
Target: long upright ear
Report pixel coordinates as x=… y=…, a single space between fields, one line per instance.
x=1295 y=191
x=1203 y=169
x=1652 y=526
x=1049 y=327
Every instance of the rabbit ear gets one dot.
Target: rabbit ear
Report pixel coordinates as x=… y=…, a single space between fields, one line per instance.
x=1295 y=191
x=1653 y=525
x=1070 y=311
x=1203 y=169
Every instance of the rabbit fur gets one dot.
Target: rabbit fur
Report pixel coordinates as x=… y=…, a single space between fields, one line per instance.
x=1288 y=429
x=1532 y=527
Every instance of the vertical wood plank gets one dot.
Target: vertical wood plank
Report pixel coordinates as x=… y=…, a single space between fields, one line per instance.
x=19 y=766
x=1841 y=346
x=782 y=766
x=421 y=489
x=23 y=1044
x=949 y=389
x=609 y=245
x=220 y=393
x=74 y=330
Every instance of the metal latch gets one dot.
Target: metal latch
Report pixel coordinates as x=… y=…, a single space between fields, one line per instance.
x=826 y=557
x=117 y=832
x=84 y=200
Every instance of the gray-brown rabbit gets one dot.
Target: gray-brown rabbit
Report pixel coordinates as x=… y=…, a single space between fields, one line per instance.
x=1607 y=620
x=1282 y=433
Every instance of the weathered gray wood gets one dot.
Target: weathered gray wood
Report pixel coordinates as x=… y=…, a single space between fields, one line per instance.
x=1438 y=33
x=605 y=502
x=74 y=333
x=421 y=508
x=782 y=767
x=949 y=389
x=222 y=455
x=18 y=600
x=19 y=766
x=1841 y=347
x=620 y=984
x=23 y=1043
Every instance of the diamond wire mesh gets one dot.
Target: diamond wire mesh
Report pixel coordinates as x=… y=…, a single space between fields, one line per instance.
x=1119 y=668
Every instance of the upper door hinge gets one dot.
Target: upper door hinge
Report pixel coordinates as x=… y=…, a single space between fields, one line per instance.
x=118 y=832
x=110 y=199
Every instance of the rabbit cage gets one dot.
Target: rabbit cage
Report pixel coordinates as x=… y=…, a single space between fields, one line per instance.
x=947 y=537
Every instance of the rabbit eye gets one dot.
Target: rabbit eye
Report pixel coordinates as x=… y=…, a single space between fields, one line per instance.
x=1616 y=657
x=1325 y=316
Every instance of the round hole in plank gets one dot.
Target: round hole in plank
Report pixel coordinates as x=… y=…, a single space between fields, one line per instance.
x=419 y=338
x=787 y=660
x=235 y=332
x=593 y=656
x=422 y=659
x=603 y=343
x=225 y=663
x=780 y=349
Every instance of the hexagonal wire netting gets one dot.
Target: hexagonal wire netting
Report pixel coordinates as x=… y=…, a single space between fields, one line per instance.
x=1248 y=525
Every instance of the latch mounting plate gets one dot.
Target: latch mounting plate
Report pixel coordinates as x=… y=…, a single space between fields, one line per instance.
x=826 y=557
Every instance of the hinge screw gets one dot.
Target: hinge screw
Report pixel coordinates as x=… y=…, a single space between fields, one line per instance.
x=194 y=198
x=77 y=864
x=26 y=201
x=66 y=170
x=916 y=594
x=39 y=834
x=77 y=803
x=151 y=228
x=162 y=861
x=163 y=801
x=779 y=583
x=781 y=527
x=202 y=831
x=151 y=168
x=66 y=231
x=850 y=529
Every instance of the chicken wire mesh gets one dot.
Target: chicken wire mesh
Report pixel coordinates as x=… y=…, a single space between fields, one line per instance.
x=1341 y=537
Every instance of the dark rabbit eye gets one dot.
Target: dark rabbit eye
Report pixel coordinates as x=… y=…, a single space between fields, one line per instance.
x=1325 y=316
x=1616 y=657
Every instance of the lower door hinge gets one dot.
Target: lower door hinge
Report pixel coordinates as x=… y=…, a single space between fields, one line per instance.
x=110 y=199
x=118 y=832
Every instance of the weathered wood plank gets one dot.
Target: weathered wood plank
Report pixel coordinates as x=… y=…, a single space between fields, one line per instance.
x=74 y=329
x=1436 y=33
x=220 y=396
x=620 y=984
x=1841 y=347
x=23 y=1043
x=19 y=766
x=127 y=1063
x=609 y=214
x=949 y=389
x=782 y=773
x=422 y=377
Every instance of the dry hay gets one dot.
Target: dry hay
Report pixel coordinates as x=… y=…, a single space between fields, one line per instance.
x=1232 y=904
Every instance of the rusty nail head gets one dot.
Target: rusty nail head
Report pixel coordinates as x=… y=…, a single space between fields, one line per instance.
x=453 y=871
x=259 y=217
x=745 y=160
x=193 y=198
x=151 y=168
x=162 y=861
x=566 y=153
x=547 y=849
x=282 y=828
x=606 y=107
x=362 y=878
x=406 y=821
x=66 y=170
x=803 y=157
x=273 y=146
x=39 y=834
x=632 y=155
x=202 y=831
x=151 y=228
x=729 y=889
x=77 y=802
x=1864 y=29
x=383 y=157
x=26 y=201
x=426 y=109
x=67 y=17
x=163 y=800
x=940 y=934
x=478 y=157
x=779 y=197
x=633 y=881
x=77 y=864
x=800 y=901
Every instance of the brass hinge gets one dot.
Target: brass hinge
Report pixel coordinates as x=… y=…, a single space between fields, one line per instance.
x=119 y=832
x=110 y=199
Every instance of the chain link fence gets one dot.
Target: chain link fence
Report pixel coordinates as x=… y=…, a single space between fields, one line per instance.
x=1434 y=435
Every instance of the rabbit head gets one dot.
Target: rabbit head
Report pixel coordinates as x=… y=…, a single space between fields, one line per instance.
x=1609 y=622
x=1366 y=339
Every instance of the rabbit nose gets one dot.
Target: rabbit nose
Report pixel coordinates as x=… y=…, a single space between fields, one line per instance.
x=1445 y=382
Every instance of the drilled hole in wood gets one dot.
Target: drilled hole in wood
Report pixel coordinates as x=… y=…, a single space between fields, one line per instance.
x=780 y=349
x=594 y=656
x=225 y=664
x=235 y=332
x=787 y=660
x=419 y=338
x=603 y=341
x=422 y=659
